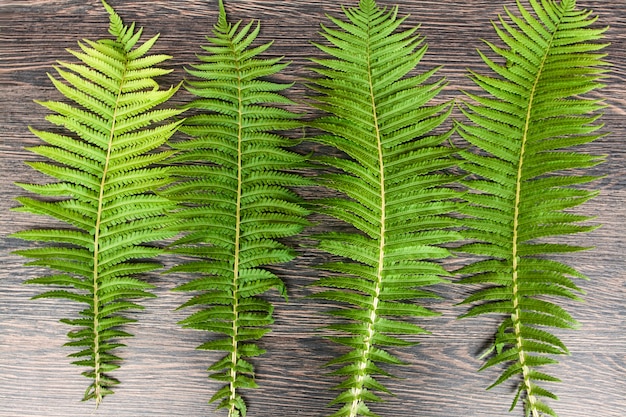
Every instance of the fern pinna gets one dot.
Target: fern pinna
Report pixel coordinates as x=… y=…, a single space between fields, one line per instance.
x=234 y=200
x=394 y=183
x=104 y=192
x=521 y=182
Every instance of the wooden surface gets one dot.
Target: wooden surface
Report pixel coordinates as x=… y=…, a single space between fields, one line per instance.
x=162 y=374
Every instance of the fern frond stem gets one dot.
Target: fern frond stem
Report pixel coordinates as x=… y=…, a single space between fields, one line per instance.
x=381 y=245
x=96 y=251
x=232 y=411
x=516 y=316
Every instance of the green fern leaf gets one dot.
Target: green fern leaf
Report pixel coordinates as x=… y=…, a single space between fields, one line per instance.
x=235 y=200
x=105 y=192
x=521 y=177
x=395 y=189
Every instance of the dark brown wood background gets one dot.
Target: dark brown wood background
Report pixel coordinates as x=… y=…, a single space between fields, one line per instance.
x=162 y=374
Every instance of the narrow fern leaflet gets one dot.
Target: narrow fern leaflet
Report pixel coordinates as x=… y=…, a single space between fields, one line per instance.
x=235 y=200
x=104 y=192
x=395 y=192
x=521 y=183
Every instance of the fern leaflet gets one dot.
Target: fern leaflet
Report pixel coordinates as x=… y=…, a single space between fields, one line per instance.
x=521 y=182
x=394 y=184
x=235 y=200
x=104 y=192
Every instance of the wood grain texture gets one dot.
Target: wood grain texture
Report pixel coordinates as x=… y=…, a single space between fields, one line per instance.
x=163 y=375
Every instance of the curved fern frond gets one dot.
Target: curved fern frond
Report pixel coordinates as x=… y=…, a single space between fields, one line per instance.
x=394 y=183
x=523 y=172
x=104 y=192
x=235 y=200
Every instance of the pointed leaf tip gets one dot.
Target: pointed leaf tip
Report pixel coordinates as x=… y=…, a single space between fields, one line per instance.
x=222 y=16
x=116 y=26
x=108 y=8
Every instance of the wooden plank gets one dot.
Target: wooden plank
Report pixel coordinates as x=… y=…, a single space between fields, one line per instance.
x=163 y=375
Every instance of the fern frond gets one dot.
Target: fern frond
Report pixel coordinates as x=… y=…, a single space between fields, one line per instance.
x=235 y=200
x=533 y=111
x=105 y=192
x=394 y=186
